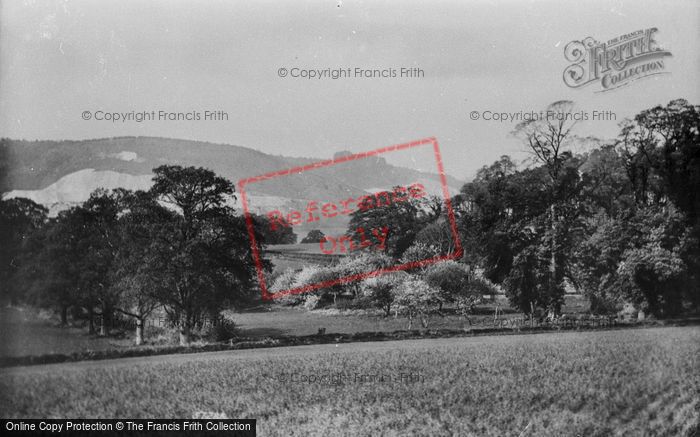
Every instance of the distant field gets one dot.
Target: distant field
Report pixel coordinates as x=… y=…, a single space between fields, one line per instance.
x=631 y=382
x=310 y=248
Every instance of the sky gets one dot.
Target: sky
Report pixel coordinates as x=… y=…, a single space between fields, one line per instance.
x=61 y=58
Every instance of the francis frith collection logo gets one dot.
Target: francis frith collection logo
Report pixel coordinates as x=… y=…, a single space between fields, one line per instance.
x=614 y=63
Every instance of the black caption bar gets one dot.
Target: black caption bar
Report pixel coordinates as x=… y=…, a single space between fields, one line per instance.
x=128 y=427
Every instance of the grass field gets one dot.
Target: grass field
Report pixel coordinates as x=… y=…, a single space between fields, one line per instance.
x=631 y=382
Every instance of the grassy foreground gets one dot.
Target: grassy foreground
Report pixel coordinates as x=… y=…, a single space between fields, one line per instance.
x=630 y=382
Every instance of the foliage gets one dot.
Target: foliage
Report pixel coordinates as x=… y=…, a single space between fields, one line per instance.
x=401 y=219
x=314 y=236
x=281 y=235
x=201 y=256
x=19 y=218
x=413 y=298
x=420 y=251
x=380 y=289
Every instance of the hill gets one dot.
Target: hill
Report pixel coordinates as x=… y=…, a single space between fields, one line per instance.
x=59 y=174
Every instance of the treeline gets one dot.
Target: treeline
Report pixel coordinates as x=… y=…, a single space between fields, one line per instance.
x=617 y=222
x=178 y=246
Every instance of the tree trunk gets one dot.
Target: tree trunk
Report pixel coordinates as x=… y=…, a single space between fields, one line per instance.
x=91 y=321
x=553 y=260
x=139 y=331
x=184 y=333
x=103 y=326
x=64 y=315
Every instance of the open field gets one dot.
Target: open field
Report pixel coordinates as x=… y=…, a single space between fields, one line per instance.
x=632 y=382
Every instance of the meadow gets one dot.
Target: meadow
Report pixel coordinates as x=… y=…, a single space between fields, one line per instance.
x=29 y=331
x=630 y=382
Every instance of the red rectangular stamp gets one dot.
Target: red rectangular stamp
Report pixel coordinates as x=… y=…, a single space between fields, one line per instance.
x=362 y=203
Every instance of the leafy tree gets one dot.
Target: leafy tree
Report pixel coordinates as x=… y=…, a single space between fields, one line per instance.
x=19 y=218
x=651 y=272
x=139 y=226
x=449 y=277
x=49 y=268
x=597 y=258
x=71 y=258
x=420 y=251
x=380 y=289
x=662 y=153
x=402 y=221
x=414 y=298
x=201 y=257
x=314 y=236
x=494 y=210
x=281 y=235
x=547 y=139
x=527 y=285
x=438 y=235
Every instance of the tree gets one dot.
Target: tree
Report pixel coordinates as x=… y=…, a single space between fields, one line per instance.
x=380 y=289
x=266 y=235
x=49 y=268
x=201 y=257
x=663 y=143
x=547 y=139
x=414 y=298
x=401 y=219
x=527 y=285
x=71 y=257
x=314 y=236
x=138 y=227
x=19 y=218
x=450 y=278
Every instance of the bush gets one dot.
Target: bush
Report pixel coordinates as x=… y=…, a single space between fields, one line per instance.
x=286 y=281
x=450 y=277
x=413 y=298
x=419 y=252
x=311 y=301
x=307 y=276
x=379 y=290
x=314 y=236
x=221 y=331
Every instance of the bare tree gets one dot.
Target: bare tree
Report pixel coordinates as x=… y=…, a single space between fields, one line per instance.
x=547 y=138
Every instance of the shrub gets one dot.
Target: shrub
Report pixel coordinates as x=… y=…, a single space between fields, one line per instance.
x=379 y=290
x=413 y=298
x=314 y=236
x=449 y=277
x=420 y=251
x=467 y=297
x=221 y=331
x=311 y=301
x=286 y=281
x=307 y=276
